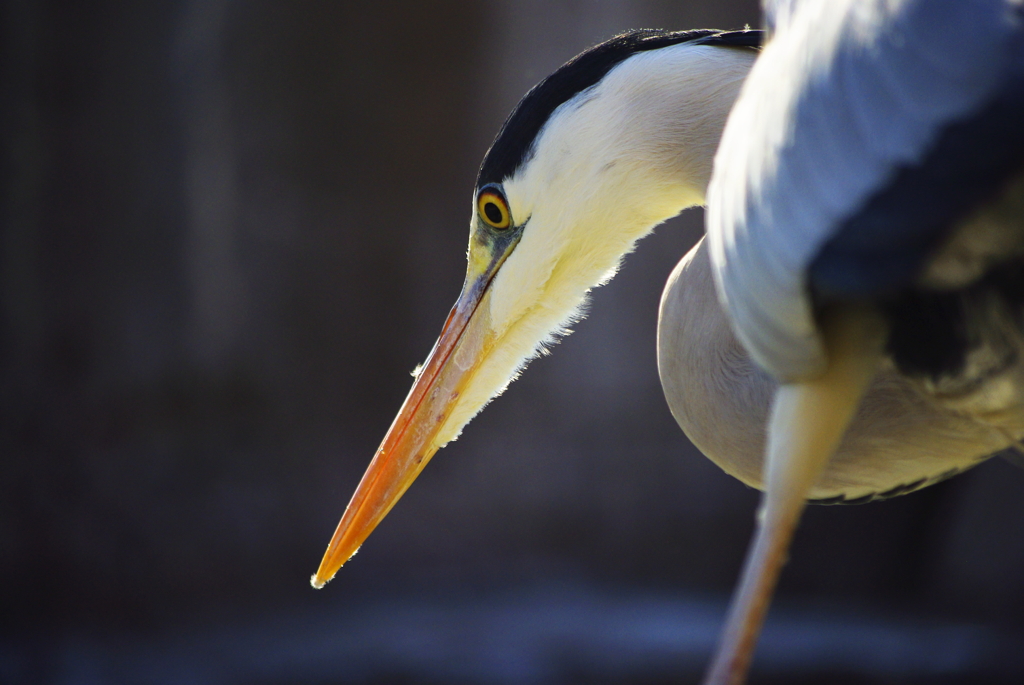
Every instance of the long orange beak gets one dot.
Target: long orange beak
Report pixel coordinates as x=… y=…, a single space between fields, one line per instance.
x=412 y=439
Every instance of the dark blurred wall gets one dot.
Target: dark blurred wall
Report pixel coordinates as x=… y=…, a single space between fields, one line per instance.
x=231 y=229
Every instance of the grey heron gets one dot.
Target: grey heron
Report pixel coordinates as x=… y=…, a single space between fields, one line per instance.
x=623 y=137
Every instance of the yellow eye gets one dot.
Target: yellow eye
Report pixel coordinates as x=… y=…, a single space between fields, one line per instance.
x=493 y=209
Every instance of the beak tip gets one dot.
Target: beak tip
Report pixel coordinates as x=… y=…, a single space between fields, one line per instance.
x=325 y=573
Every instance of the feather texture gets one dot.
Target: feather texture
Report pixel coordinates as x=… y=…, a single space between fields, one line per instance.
x=610 y=164
x=846 y=96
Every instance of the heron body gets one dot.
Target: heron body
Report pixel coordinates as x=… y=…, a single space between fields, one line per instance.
x=866 y=217
x=900 y=440
x=813 y=370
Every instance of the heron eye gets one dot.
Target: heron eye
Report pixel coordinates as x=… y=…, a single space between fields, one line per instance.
x=493 y=209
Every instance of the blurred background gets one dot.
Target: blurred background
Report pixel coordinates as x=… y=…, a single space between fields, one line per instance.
x=230 y=230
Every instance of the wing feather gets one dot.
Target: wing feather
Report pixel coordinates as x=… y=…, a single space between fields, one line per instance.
x=846 y=95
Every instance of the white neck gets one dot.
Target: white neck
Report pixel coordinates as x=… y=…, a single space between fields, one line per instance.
x=610 y=164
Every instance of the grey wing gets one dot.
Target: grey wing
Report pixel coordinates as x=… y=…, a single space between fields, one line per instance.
x=846 y=96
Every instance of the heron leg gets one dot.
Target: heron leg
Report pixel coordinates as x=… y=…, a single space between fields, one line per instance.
x=807 y=423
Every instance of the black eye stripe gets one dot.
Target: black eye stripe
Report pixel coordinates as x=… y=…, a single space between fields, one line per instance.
x=512 y=144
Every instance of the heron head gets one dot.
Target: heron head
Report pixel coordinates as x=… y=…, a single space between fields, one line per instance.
x=616 y=141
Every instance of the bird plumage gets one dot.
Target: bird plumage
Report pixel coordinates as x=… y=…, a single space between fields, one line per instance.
x=846 y=102
x=899 y=441
x=864 y=222
x=621 y=156
x=866 y=133
x=518 y=135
